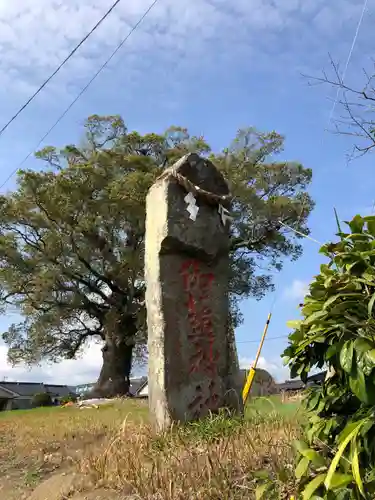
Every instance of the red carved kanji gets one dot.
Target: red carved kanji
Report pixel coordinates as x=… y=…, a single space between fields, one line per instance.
x=204 y=358
x=198 y=403
x=213 y=398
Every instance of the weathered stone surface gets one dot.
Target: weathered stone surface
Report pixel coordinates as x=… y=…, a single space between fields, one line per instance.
x=193 y=366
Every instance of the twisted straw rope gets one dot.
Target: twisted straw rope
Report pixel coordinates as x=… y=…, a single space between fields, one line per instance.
x=211 y=198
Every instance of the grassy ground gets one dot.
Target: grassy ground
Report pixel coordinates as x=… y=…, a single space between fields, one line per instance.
x=115 y=448
x=274 y=404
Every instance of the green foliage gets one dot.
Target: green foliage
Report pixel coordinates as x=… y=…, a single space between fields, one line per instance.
x=275 y=485
x=212 y=428
x=41 y=399
x=72 y=235
x=68 y=399
x=337 y=461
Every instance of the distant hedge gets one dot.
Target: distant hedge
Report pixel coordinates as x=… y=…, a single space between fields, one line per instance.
x=71 y=398
x=41 y=399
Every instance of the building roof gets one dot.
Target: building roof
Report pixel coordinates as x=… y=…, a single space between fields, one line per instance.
x=291 y=385
x=7 y=393
x=32 y=388
x=136 y=384
x=59 y=390
x=318 y=377
x=23 y=388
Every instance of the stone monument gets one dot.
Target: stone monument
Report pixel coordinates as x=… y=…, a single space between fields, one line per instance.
x=193 y=364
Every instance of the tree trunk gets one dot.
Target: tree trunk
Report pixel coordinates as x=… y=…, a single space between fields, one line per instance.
x=114 y=376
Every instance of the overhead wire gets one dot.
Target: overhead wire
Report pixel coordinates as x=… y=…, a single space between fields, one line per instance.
x=103 y=66
x=258 y=340
x=359 y=24
x=296 y=231
x=59 y=67
x=82 y=91
x=330 y=117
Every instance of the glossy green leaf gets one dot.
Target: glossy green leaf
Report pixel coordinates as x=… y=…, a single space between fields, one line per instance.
x=300 y=446
x=294 y=325
x=356 y=224
x=302 y=467
x=313 y=485
x=346 y=356
x=337 y=220
x=332 y=350
x=318 y=315
x=364 y=363
x=357 y=384
x=371 y=355
x=357 y=268
x=261 y=490
x=355 y=467
x=306 y=342
x=363 y=345
x=314 y=456
x=332 y=469
x=333 y=299
x=313 y=401
x=371 y=305
x=261 y=474
x=296 y=336
x=357 y=236
x=340 y=480
x=371 y=227
x=348 y=429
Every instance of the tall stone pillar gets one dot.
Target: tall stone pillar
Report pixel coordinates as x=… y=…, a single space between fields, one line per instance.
x=193 y=367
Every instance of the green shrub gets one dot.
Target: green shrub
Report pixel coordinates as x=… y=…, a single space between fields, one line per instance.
x=337 y=457
x=71 y=398
x=41 y=399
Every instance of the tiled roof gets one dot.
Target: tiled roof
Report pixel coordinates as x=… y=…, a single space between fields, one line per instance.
x=136 y=384
x=58 y=390
x=23 y=388
x=291 y=385
x=31 y=388
x=318 y=377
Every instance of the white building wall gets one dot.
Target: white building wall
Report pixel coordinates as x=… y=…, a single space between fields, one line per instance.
x=144 y=391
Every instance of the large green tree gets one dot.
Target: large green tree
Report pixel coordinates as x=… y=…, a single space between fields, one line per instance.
x=72 y=238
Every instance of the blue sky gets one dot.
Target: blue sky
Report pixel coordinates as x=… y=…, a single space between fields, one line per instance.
x=212 y=66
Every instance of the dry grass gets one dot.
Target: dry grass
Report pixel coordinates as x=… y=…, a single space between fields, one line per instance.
x=115 y=448
x=35 y=443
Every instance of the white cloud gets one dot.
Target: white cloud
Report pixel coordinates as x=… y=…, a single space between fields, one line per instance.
x=296 y=291
x=70 y=372
x=36 y=35
x=274 y=367
x=86 y=369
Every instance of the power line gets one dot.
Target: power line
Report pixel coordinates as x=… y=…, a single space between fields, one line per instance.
x=24 y=106
x=304 y=201
x=103 y=66
x=354 y=41
x=258 y=340
x=348 y=60
x=300 y=233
